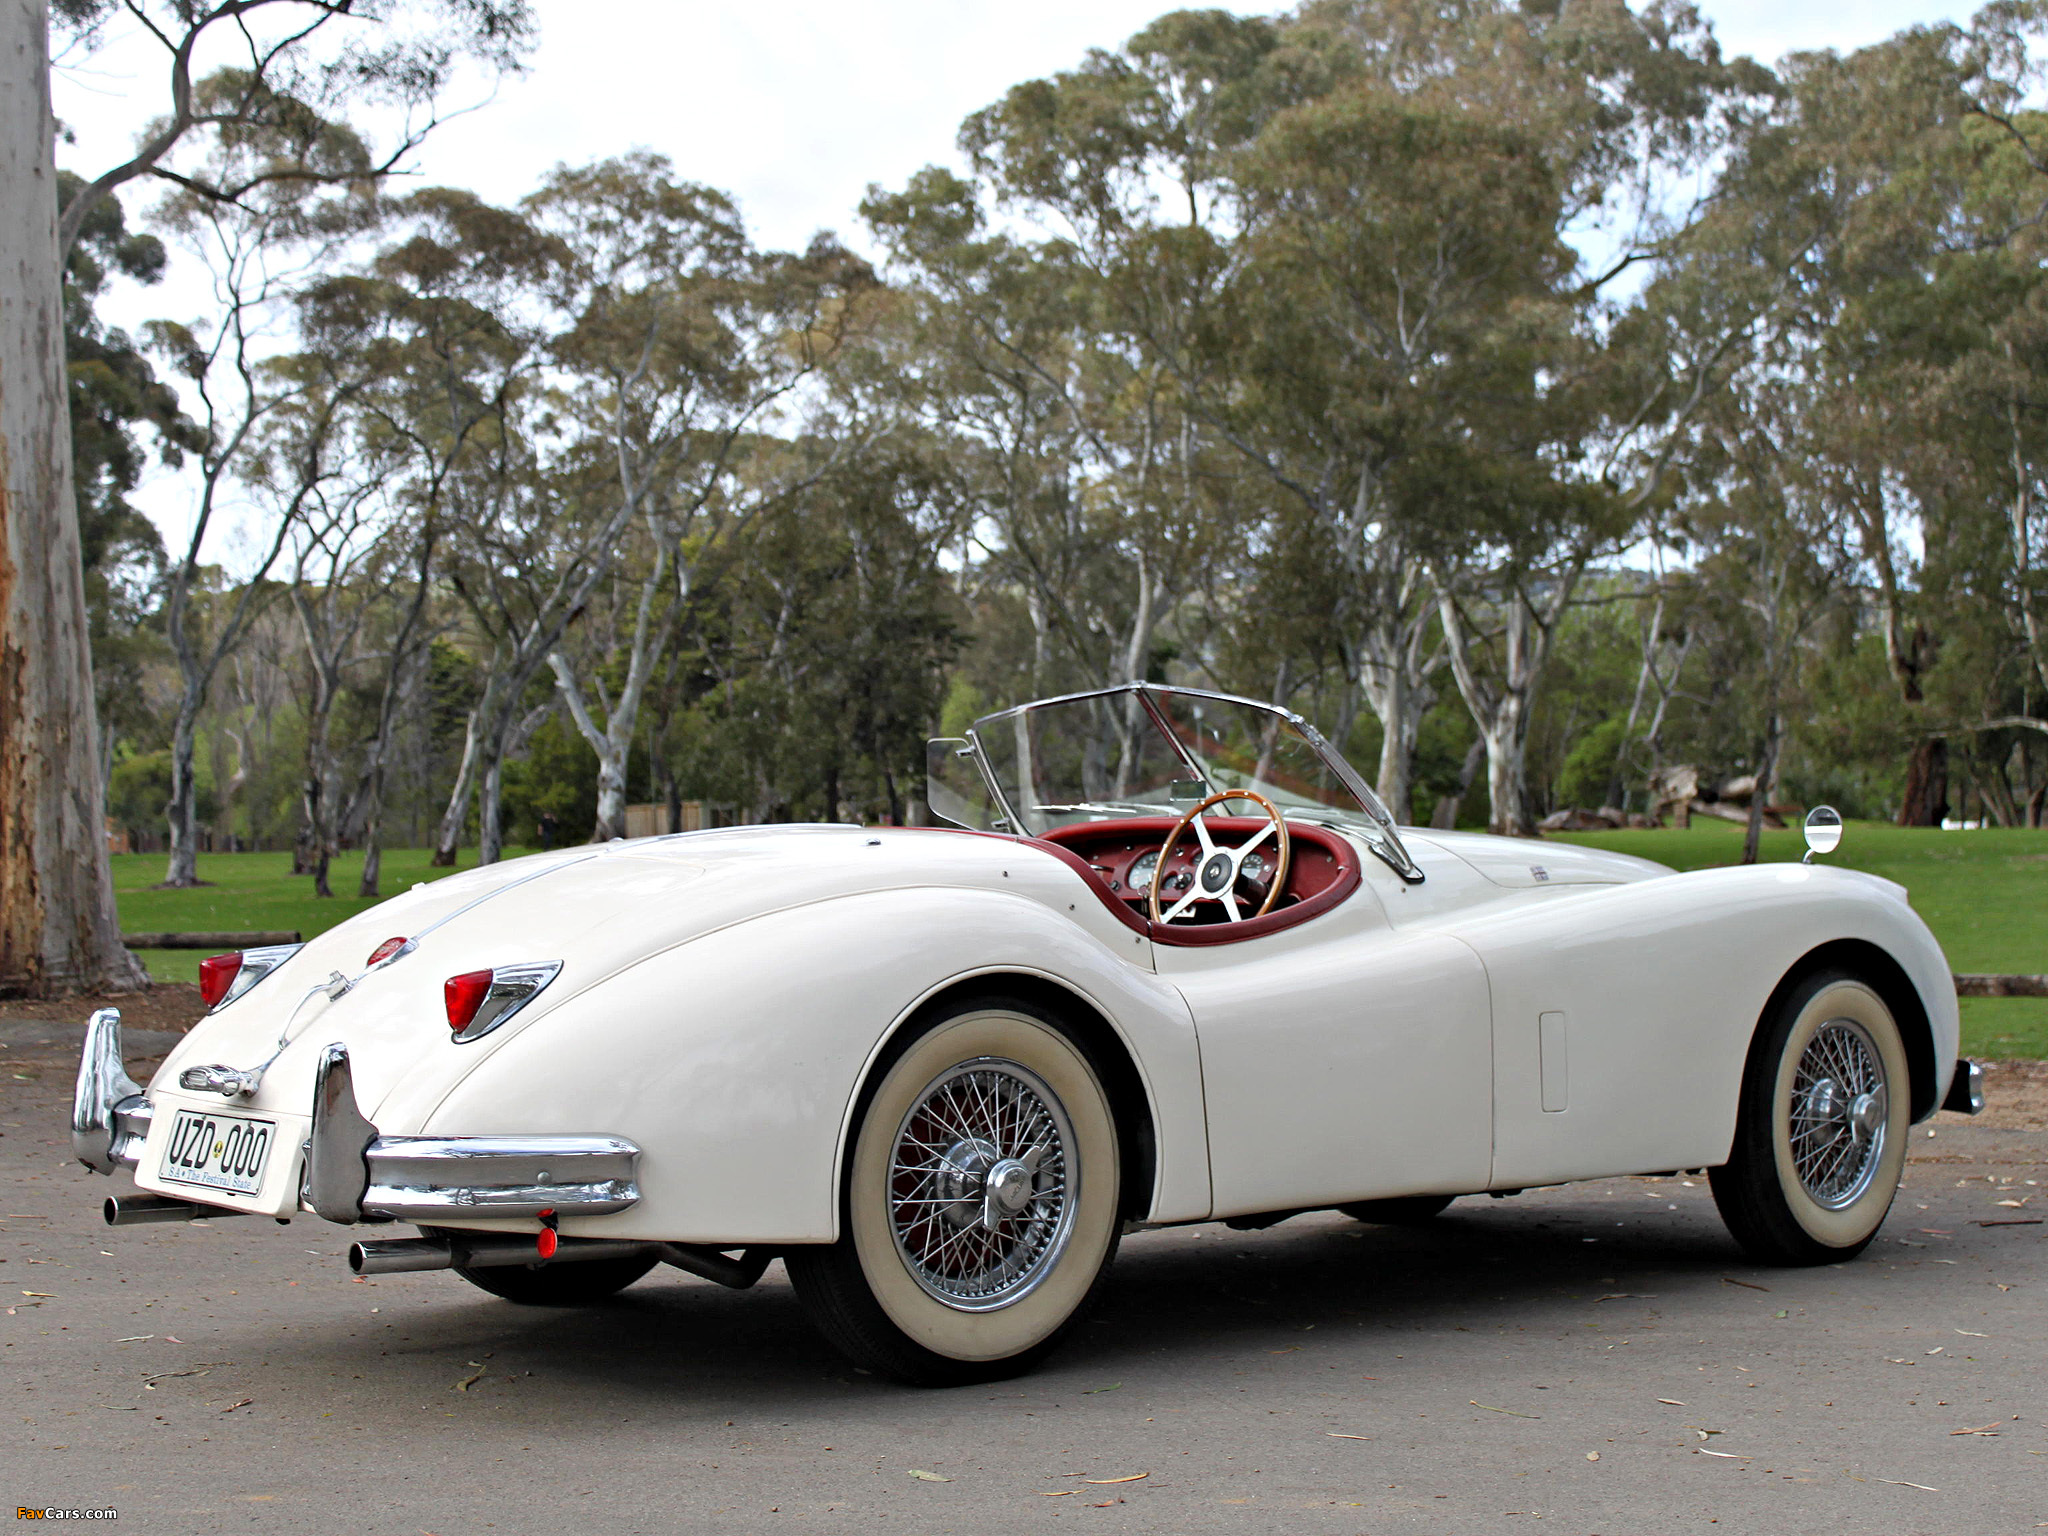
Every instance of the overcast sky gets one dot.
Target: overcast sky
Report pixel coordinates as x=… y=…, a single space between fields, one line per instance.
x=792 y=106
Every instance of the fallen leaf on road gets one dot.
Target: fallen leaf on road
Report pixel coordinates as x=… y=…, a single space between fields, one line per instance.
x=1937 y=1349
x=470 y=1380
x=2013 y=1221
x=46 y=1295
x=1335 y=1436
x=2015 y=1204
x=1728 y=1455
x=1131 y=1479
x=1746 y=1284
x=1115 y=1386
x=1517 y=1413
x=1969 y=1335
x=1290 y=1349
x=1898 y=1483
x=245 y=1402
x=1705 y=1433
x=1989 y=1429
x=150 y=1382
x=1056 y=1494
x=1671 y=1401
x=135 y=1338
x=928 y=1477
x=1628 y=1296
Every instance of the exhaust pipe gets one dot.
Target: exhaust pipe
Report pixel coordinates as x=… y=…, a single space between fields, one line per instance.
x=129 y=1210
x=485 y=1250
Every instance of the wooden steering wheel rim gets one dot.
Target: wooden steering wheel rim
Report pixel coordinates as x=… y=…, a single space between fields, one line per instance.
x=1280 y=870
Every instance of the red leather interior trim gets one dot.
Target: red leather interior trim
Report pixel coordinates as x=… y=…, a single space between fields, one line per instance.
x=1338 y=875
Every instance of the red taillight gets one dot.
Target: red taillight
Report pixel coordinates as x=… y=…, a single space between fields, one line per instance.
x=217 y=975
x=465 y=994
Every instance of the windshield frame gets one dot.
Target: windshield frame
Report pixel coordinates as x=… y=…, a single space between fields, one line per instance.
x=1378 y=828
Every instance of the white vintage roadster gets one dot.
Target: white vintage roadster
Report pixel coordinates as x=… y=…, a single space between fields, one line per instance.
x=1175 y=965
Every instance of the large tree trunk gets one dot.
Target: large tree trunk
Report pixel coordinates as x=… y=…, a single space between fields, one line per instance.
x=182 y=813
x=58 y=929
x=1925 y=801
x=449 y=838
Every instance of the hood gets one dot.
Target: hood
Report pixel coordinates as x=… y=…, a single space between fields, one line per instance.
x=1523 y=863
x=596 y=909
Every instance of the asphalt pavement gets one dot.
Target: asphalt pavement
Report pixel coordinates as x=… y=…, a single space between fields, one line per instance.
x=1597 y=1359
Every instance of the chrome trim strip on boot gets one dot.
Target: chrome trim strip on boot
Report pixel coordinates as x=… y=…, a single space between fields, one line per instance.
x=109 y=1116
x=354 y=1174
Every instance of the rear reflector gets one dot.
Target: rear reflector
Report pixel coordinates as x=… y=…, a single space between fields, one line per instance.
x=216 y=976
x=387 y=950
x=465 y=994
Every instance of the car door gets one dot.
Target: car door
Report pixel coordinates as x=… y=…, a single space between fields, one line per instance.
x=1341 y=1060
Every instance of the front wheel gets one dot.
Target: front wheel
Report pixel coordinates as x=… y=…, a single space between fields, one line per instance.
x=981 y=1202
x=1820 y=1134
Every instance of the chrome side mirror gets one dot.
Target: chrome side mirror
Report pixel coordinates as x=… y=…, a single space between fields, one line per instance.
x=1823 y=831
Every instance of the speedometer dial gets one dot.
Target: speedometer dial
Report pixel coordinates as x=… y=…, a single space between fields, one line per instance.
x=1140 y=877
x=1253 y=867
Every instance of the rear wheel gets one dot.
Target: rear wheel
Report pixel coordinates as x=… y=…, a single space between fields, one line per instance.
x=1820 y=1135
x=1402 y=1211
x=981 y=1202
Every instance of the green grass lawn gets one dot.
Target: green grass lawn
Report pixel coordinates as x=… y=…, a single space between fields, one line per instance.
x=252 y=891
x=1984 y=893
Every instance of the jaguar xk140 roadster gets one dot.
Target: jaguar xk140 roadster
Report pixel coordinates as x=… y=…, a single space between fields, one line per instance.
x=1172 y=963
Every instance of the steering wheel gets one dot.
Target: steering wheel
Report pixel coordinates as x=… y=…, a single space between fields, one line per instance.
x=1217 y=871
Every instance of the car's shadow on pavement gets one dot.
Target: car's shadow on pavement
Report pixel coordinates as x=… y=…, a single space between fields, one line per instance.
x=672 y=1344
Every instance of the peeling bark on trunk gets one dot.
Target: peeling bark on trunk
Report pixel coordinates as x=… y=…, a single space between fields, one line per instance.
x=1925 y=801
x=58 y=929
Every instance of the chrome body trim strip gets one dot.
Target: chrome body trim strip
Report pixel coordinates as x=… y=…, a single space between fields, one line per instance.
x=354 y=1174
x=109 y=1116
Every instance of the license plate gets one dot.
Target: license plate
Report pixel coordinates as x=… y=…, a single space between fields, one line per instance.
x=218 y=1151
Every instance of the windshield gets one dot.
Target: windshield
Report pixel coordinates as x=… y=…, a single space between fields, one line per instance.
x=1145 y=749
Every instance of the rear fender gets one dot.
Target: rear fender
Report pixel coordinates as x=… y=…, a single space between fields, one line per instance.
x=734 y=1060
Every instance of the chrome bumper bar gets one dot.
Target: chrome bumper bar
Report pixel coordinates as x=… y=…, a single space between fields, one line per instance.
x=109 y=1115
x=354 y=1174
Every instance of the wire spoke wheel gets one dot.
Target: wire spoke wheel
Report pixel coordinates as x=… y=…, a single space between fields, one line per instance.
x=979 y=1198
x=1839 y=1110
x=1820 y=1138
x=982 y=1199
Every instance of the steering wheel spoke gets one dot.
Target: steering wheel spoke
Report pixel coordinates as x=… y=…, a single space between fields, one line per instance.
x=1216 y=870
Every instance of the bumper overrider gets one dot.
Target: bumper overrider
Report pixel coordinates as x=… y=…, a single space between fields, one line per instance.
x=352 y=1172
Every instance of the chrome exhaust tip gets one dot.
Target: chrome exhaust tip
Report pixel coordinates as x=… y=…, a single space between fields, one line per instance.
x=130 y=1210
x=398 y=1255
x=482 y=1250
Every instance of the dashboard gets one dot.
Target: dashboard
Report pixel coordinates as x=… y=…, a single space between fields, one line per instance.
x=1123 y=857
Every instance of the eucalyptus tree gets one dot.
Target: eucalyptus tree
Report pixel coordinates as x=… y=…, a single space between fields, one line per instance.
x=258 y=252
x=443 y=319
x=60 y=931
x=681 y=350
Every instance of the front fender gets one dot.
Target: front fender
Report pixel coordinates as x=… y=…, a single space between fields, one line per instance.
x=734 y=1060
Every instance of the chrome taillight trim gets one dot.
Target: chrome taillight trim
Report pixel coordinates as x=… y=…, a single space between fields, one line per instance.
x=256 y=964
x=512 y=988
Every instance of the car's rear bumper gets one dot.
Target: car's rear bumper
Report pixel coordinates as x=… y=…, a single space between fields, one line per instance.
x=346 y=1171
